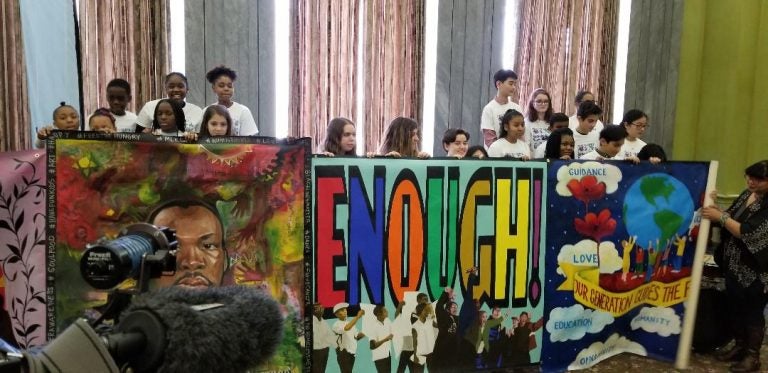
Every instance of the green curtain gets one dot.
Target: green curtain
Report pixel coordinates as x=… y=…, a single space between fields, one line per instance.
x=722 y=99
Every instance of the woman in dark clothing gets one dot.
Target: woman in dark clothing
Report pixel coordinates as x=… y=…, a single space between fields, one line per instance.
x=743 y=257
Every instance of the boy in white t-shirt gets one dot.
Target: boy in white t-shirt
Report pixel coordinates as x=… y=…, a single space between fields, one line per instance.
x=118 y=97
x=573 y=121
x=584 y=138
x=424 y=332
x=505 y=81
x=611 y=140
x=347 y=337
x=511 y=143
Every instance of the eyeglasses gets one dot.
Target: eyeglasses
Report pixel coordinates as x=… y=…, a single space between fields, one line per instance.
x=641 y=125
x=541 y=101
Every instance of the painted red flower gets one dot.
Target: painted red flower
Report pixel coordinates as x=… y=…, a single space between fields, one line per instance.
x=587 y=189
x=596 y=226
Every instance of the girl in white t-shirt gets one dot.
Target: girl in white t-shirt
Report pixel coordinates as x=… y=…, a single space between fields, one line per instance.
x=635 y=122
x=222 y=81
x=537 y=116
x=510 y=143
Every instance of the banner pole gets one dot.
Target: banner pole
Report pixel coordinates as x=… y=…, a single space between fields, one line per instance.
x=689 y=320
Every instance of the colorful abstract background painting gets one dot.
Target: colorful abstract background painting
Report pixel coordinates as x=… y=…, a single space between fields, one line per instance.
x=255 y=185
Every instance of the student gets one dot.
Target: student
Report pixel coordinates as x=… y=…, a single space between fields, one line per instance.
x=477 y=151
x=448 y=342
x=505 y=81
x=169 y=119
x=401 y=139
x=493 y=337
x=118 y=97
x=176 y=88
x=635 y=122
x=424 y=335
x=611 y=140
x=573 y=121
x=556 y=121
x=537 y=118
x=653 y=153
x=347 y=337
x=455 y=141
x=216 y=122
x=381 y=340
x=511 y=143
x=103 y=121
x=65 y=118
x=340 y=138
x=585 y=139
x=222 y=81
x=560 y=144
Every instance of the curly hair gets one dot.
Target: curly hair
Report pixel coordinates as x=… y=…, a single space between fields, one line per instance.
x=219 y=71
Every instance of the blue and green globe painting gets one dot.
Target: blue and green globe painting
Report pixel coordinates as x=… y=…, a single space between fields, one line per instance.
x=660 y=206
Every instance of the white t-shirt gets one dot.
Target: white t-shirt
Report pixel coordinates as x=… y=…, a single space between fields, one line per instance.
x=193 y=115
x=123 y=123
x=631 y=148
x=573 y=123
x=503 y=148
x=379 y=331
x=322 y=336
x=536 y=132
x=243 y=123
x=492 y=113
x=584 y=144
x=426 y=334
x=540 y=151
x=347 y=340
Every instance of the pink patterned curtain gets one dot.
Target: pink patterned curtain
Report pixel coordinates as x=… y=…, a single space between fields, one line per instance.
x=566 y=46
x=14 y=104
x=323 y=64
x=124 y=39
x=394 y=64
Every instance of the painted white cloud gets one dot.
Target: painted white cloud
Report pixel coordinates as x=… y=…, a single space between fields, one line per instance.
x=661 y=320
x=599 y=351
x=369 y=319
x=607 y=173
x=572 y=323
x=584 y=253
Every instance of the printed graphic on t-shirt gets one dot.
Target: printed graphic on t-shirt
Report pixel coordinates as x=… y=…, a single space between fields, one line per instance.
x=538 y=136
x=582 y=149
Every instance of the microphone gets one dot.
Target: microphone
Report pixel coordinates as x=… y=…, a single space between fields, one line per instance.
x=219 y=329
x=176 y=329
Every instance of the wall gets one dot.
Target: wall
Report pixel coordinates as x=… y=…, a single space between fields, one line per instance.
x=469 y=52
x=722 y=87
x=240 y=35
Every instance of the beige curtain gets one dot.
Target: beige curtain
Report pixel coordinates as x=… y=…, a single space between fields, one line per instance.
x=324 y=56
x=124 y=39
x=565 y=46
x=14 y=105
x=394 y=64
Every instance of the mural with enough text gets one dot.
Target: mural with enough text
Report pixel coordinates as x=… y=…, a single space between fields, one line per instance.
x=430 y=262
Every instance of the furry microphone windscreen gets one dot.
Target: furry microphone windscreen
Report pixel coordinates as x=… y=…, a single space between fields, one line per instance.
x=241 y=334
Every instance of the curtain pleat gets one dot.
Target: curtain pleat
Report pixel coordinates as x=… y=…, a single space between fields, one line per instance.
x=394 y=63
x=566 y=46
x=124 y=39
x=323 y=63
x=14 y=103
